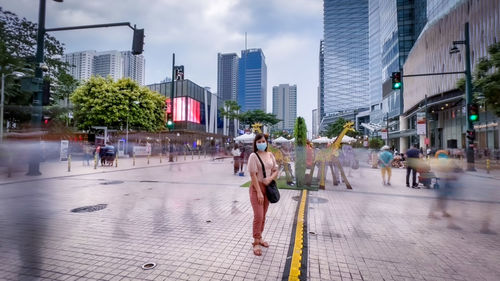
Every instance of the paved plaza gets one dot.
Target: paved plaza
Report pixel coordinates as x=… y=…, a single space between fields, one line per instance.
x=194 y=221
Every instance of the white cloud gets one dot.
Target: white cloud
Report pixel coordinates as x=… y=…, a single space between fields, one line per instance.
x=288 y=31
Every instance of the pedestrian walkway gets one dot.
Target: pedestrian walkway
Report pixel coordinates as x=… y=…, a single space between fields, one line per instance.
x=194 y=221
x=54 y=168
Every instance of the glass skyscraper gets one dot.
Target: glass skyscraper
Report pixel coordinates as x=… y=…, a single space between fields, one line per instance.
x=321 y=88
x=252 y=80
x=345 y=56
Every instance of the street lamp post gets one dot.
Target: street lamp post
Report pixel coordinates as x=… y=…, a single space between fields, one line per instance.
x=468 y=92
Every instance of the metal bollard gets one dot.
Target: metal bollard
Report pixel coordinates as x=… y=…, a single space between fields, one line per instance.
x=184 y=155
x=95 y=161
x=148 y=159
x=133 y=157
x=69 y=163
x=199 y=154
x=160 y=157
x=192 y=155
x=176 y=157
x=488 y=166
x=116 y=159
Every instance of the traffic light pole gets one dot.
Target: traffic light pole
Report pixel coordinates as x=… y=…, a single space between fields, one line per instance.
x=468 y=99
x=36 y=109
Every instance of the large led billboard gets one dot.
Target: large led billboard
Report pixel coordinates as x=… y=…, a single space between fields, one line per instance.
x=185 y=109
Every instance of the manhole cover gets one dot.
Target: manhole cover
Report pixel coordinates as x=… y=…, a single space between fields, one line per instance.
x=149 y=265
x=88 y=209
x=111 y=182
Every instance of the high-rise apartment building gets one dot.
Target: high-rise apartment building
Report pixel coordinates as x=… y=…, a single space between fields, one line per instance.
x=109 y=63
x=252 y=80
x=346 y=87
x=227 y=76
x=285 y=106
x=81 y=64
x=134 y=67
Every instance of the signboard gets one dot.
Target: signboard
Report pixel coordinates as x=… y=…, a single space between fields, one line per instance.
x=383 y=134
x=421 y=123
x=179 y=72
x=63 y=156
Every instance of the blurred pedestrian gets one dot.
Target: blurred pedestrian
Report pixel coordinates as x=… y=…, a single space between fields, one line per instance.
x=87 y=150
x=385 y=158
x=236 y=158
x=447 y=174
x=412 y=157
x=243 y=159
x=258 y=197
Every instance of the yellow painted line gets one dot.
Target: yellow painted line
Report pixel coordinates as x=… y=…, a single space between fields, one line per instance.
x=299 y=240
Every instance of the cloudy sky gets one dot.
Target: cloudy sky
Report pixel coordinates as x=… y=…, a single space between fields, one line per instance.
x=288 y=32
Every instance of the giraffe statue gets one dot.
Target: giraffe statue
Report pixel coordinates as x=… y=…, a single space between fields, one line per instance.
x=329 y=157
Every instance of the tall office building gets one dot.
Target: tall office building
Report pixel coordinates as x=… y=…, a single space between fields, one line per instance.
x=109 y=63
x=134 y=67
x=252 y=80
x=315 y=123
x=227 y=76
x=321 y=87
x=345 y=55
x=375 y=62
x=285 y=106
x=80 y=64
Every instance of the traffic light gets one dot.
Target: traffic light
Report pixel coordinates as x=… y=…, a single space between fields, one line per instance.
x=138 y=41
x=170 y=121
x=473 y=112
x=396 y=80
x=471 y=135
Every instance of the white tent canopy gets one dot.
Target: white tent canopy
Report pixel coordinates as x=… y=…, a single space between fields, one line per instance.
x=345 y=139
x=322 y=140
x=246 y=138
x=281 y=140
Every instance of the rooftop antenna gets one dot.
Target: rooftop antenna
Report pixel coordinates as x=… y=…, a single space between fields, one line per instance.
x=246 y=41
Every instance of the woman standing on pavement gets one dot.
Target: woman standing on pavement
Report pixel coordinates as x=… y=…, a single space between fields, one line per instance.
x=257 y=190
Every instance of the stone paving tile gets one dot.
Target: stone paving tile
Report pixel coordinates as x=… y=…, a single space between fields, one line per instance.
x=164 y=222
x=370 y=234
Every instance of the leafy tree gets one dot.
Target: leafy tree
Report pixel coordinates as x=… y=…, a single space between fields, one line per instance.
x=376 y=143
x=486 y=80
x=103 y=102
x=300 y=132
x=230 y=110
x=257 y=116
x=334 y=129
x=18 y=38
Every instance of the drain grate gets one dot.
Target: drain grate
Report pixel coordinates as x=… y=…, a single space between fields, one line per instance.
x=89 y=209
x=148 y=181
x=111 y=182
x=149 y=265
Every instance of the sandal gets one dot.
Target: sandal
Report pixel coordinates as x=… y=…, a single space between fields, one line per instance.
x=264 y=244
x=257 y=251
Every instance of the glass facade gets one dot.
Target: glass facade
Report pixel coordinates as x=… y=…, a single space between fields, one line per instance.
x=346 y=83
x=252 y=80
x=321 y=88
x=375 y=64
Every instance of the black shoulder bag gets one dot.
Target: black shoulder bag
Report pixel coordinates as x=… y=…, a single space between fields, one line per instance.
x=272 y=193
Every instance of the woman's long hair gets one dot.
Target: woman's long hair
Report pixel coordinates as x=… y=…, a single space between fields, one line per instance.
x=258 y=137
